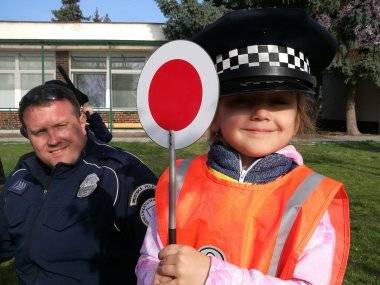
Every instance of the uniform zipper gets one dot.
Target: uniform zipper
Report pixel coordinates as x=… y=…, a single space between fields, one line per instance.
x=44 y=194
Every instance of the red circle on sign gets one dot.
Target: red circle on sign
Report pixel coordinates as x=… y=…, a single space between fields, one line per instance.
x=175 y=95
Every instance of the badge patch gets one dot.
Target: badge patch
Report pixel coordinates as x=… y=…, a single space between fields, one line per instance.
x=137 y=192
x=211 y=250
x=19 y=187
x=147 y=211
x=88 y=185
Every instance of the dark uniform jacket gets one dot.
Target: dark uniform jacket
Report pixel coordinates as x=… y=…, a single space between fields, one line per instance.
x=99 y=129
x=77 y=224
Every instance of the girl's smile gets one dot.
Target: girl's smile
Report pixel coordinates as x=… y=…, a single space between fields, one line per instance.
x=258 y=124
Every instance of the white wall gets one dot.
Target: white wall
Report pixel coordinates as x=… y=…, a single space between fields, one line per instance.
x=80 y=31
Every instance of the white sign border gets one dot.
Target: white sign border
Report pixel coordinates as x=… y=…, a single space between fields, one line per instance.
x=201 y=61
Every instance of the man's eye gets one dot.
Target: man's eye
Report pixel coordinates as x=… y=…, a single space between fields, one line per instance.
x=39 y=132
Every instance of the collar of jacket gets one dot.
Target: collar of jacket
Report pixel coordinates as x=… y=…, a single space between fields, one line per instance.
x=100 y=150
x=227 y=161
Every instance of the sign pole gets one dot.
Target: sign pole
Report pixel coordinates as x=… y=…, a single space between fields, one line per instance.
x=172 y=189
x=177 y=96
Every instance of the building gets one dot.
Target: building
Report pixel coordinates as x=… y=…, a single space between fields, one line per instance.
x=104 y=60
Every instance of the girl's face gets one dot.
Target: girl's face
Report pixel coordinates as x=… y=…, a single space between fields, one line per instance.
x=257 y=124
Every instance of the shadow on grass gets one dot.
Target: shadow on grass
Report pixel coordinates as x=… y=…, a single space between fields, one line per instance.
x=370 y=146
x=338 y=157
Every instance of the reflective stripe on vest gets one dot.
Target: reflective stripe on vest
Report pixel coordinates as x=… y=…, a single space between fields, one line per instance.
x=180 y=174
x=295 y=203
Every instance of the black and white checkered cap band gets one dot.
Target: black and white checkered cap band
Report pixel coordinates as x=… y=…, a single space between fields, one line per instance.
x=262 y=56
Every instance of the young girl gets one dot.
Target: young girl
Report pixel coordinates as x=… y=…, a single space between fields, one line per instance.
x=249 y=211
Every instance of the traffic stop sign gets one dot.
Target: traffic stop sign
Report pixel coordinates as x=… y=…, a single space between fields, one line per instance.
x=178 y=91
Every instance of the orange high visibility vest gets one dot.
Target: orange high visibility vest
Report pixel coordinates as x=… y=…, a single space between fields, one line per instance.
x=264 y=227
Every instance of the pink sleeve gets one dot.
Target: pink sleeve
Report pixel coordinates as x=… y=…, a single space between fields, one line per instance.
x=314 y=265
x=148 y=261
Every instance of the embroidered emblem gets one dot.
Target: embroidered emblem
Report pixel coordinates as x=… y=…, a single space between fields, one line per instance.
x=147 y=210
x=211 y=250
x=19 y=187
x=88 y=185
x=137 y=192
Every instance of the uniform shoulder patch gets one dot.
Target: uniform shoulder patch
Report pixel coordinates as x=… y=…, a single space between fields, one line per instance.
x=138 y=191
x=19 y=187
x=147 y=211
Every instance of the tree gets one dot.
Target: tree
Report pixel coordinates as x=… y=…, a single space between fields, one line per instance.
x=106 y=19
x=356 y=26
x=98 y=19
x=188 y=17
x=69 y=12
x=354 y=23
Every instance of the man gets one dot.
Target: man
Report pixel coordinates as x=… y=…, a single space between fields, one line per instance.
x=74 y=211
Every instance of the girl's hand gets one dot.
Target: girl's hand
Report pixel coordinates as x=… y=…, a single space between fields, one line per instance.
x=184 y=264
x=160 y=279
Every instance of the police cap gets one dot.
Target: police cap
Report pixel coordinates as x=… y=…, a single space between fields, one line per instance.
x=267 y=49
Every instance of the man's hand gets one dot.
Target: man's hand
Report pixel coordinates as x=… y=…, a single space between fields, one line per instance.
x=181 y=264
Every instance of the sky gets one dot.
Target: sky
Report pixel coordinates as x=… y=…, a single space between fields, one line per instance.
x=117 y=10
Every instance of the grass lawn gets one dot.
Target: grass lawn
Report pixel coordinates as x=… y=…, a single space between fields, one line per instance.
x=357 y=164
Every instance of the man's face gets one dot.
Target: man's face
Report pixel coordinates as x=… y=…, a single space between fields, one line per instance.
x=55 y=132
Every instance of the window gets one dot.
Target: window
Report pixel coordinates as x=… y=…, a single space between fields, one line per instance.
x=124 y=88
x=128 y=62
x=88 y=62
x=33 y=62
x=30 y=80
x=90 y=76
x=94 y=86
x=19 y=72
x=7 y=90
x=7 y=62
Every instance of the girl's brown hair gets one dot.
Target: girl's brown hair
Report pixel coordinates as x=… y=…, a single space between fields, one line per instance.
x=306 y=114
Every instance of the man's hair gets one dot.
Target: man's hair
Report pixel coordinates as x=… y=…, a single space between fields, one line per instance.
x=45 y=94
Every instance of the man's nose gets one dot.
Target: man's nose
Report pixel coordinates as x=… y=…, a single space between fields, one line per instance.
x=53 y=137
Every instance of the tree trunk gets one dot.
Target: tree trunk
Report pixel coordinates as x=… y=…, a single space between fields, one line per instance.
x=351 y=124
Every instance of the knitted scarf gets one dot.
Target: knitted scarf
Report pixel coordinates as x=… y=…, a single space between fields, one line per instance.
x=226 y=160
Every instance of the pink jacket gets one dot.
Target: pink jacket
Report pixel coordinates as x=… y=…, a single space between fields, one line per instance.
x=314 y=265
